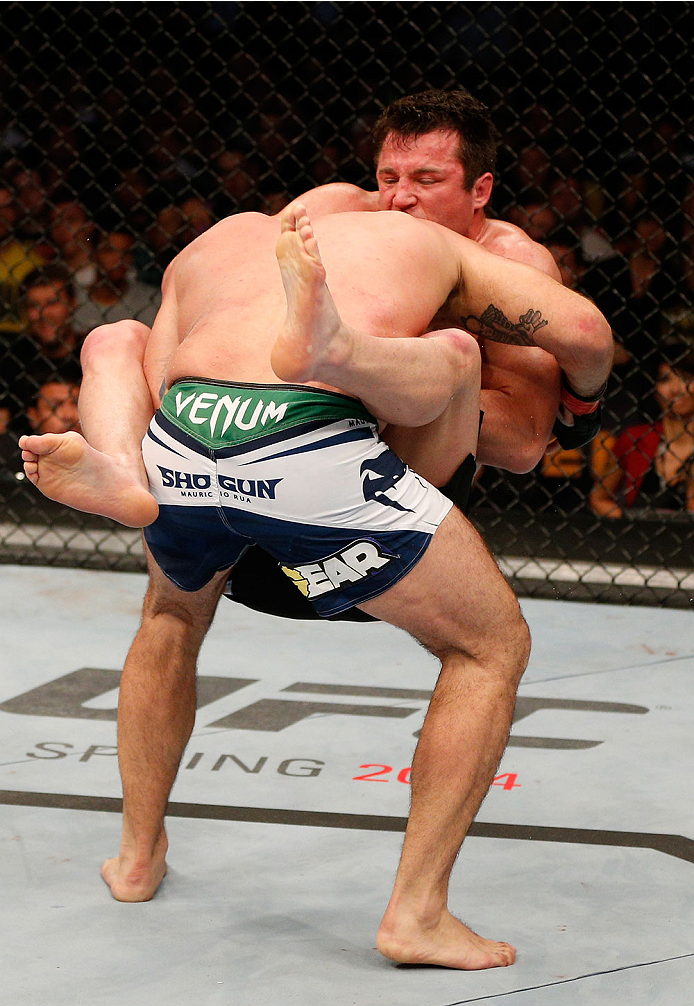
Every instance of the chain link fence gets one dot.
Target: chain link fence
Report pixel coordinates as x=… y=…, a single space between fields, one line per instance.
x=127 y=129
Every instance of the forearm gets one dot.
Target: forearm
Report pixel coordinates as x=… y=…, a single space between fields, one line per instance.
x=520 y=396
x=581 y=345
x=518 y=306
x=509 y=438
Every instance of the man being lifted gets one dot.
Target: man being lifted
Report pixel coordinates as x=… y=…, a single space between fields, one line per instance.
x=268 y=432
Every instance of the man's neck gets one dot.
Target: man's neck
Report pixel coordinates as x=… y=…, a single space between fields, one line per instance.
x=479 y=227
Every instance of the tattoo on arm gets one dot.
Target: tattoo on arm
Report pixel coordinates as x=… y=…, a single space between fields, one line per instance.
x=496 y=327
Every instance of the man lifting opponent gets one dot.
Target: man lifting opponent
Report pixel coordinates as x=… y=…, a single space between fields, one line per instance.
x=436 y=154
x=257 y=449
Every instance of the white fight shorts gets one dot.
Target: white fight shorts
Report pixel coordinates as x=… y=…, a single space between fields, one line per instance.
x=300 y=471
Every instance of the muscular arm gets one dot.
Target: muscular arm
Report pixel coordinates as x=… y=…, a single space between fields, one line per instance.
x=519 y=306
x=520 y=387
x=520 y=396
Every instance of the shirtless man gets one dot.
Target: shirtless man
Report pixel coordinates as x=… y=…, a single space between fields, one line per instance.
x=436 y=156
x=435 y=160
x=257 y=449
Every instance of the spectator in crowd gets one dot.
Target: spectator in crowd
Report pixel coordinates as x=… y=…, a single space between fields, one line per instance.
x=135 y=203
x=638 y=187
x=72 y=231
x=115 y=293
x=134 y=198
x=567 y=200
x=564 y=248
x=176 y=226
x=237 y=177
x=49 y=300
x=650 y=268
x=648 y=292
x=653 y=463
x=170 y=153
x=31 y=200
x=533 y=214
x=52 y=408
x=533 y=142
x=49 y=345
x=17 y=260
x=589 y=264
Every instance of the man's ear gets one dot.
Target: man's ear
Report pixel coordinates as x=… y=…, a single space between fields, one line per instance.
x=482 y=190
x=33 y=417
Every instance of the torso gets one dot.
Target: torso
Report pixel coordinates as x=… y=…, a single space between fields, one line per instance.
x=224 y=302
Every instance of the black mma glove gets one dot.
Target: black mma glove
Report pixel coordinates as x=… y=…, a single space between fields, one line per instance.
x=586 y=413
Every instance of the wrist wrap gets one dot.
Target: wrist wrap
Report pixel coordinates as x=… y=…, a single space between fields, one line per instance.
x=587 y=413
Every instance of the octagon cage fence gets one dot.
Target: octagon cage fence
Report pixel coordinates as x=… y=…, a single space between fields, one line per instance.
x=127 y=129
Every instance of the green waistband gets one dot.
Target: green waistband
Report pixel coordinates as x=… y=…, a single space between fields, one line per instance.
x=219 y=415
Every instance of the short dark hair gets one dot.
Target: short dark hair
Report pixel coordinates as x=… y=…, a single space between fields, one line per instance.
x=69 y=378
x=679 y=356
x=455 y=111
x=53 y=274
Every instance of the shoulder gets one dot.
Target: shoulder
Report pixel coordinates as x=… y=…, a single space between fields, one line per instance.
x=508 y=241
x=338 y=197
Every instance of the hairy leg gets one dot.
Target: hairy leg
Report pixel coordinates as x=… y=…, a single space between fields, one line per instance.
x=405 y=381
x=473 y=624
x=156 y=712
x=102 y=472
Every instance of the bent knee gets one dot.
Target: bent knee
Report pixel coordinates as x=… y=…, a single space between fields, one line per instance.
x=119 y=338
x=464 y=353
x=460 y=341
x=505 y=646
x=518 y=641
x=506 y=650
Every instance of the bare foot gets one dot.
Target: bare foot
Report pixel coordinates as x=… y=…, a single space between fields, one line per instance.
x=449 y=944
x=66 y=469
x=313 y=338
x=130 y=882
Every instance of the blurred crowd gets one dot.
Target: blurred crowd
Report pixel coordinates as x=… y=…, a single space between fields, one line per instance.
x=626 y=241
x=87 y=229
